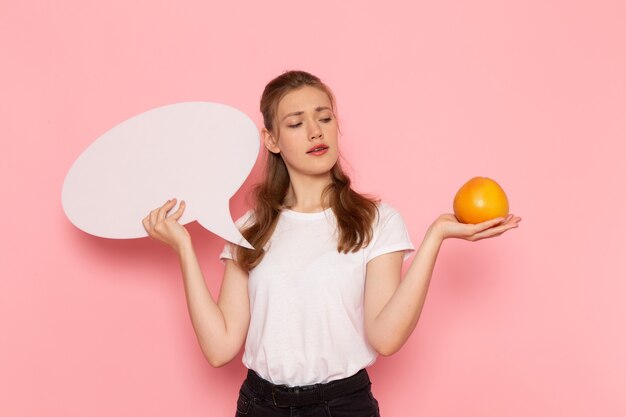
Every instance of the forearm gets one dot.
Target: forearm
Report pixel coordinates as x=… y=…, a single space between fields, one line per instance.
x=206 y=316
x=398 y=318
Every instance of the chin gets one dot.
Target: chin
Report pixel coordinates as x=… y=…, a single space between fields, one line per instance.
x=316 y=168
x=325 y=168
x=316 y=172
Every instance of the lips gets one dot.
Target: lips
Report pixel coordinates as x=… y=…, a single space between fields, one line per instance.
x=317 y=148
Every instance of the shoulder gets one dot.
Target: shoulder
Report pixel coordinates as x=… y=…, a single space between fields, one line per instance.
x=387 y=220
x=390 y=233
x=385 y=212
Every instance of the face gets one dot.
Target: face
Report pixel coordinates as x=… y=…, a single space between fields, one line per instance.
x=305 y=121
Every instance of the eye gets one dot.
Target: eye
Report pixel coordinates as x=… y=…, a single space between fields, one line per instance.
x=295 y=125
x=326 y=120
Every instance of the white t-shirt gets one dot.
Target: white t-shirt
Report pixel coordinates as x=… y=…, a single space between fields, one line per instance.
x=306 y=298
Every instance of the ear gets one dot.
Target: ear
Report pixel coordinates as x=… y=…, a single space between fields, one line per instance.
x=270 y=141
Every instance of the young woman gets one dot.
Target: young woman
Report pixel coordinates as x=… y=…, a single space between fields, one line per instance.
x=321 y=295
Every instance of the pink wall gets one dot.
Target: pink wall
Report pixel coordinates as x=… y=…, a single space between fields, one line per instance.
x=532 y=94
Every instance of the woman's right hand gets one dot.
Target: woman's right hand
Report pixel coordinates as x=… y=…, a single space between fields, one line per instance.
x=167 y=229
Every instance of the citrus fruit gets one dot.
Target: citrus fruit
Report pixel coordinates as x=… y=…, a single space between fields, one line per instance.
x=480 y=199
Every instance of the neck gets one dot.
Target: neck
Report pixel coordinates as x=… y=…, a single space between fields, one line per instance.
x=305 y=192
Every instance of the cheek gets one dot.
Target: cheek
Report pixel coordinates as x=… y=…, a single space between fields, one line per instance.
x=288 y=150
x=332 y=133
x=286 y=143
x=333 y=140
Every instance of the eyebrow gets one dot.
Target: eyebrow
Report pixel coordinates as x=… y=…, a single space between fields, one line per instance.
x=298 y=113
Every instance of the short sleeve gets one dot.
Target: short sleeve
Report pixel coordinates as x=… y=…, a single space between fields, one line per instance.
x=229 y=248
x=389 y=235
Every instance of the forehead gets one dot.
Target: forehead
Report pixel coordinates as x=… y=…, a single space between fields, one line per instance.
x=302 y=99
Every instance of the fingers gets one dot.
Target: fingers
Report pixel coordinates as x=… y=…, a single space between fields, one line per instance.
x=165 y=208
x=146 y=224
x=159 y=214
x=489 y=224
x=178 y=213
x=510 y=219
x=152 y=218
x=495 y=231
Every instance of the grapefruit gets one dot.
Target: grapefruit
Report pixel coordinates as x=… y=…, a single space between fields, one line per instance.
x=480 y=199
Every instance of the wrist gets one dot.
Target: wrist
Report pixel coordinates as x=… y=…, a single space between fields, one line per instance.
x=434 y=232
x=183 y=248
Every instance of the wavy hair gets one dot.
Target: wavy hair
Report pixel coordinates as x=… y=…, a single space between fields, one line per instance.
x=355 y=212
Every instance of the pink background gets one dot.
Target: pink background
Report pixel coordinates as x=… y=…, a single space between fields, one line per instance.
x=430 y=94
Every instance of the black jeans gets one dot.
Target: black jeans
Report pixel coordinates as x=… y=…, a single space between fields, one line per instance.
x=348 y=397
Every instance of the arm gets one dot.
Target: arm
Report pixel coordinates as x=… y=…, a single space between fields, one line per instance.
x=220 y=327
x=393 y=306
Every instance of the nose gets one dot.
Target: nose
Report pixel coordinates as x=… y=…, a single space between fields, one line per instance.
x=316 y=131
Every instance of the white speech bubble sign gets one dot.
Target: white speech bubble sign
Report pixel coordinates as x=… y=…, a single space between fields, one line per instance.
x=200 y=152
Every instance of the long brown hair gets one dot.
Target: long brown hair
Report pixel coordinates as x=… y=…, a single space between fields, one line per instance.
x=355 y=212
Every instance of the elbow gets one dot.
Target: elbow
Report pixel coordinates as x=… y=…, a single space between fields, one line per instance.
x=385 y=346
x=221 y=354
x=217 y=361
x=387 y=350
x=385 y=340
x=384 y=352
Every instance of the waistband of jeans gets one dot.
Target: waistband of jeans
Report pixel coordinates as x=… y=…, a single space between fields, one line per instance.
x=285 y=396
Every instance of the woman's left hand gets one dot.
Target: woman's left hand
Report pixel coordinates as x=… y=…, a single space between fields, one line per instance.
x=447 y=226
